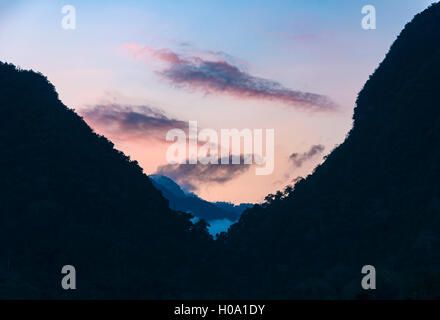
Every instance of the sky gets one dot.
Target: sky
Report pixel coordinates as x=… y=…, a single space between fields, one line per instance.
x=137 y=69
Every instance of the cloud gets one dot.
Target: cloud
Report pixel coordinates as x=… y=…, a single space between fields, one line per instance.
x=219 y=76
x=298 y=159
x=190 y=176
x=131 y=122
x=144 y=52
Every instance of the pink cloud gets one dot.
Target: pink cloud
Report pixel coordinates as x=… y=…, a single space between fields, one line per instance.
x=222 y=77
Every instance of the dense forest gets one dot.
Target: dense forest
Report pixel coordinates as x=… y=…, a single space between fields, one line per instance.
x=374 y=201
x=68 y=197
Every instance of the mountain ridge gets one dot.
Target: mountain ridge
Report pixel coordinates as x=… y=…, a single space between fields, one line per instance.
x=374 y=201
x=68 y=197
x=182 y=200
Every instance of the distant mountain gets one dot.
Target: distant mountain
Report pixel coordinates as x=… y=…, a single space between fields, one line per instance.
x=188 y=202
x=374 y=201
x=169 y=188
x=237 y=209
x=67 y=197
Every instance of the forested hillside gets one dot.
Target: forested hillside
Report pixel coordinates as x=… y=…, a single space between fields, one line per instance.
x=67 y=197
x=374 y=201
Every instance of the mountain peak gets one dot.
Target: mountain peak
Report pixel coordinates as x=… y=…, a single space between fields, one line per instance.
x=68 y=197
x=375 y=200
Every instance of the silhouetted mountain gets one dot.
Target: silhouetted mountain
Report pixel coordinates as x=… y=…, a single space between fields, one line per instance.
x=67 y=197
x=237 y=209
x=374 y=201
x=191 y=203
x=168 y=186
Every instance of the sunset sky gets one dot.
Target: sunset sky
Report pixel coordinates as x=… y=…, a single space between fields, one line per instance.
x=135 y=69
